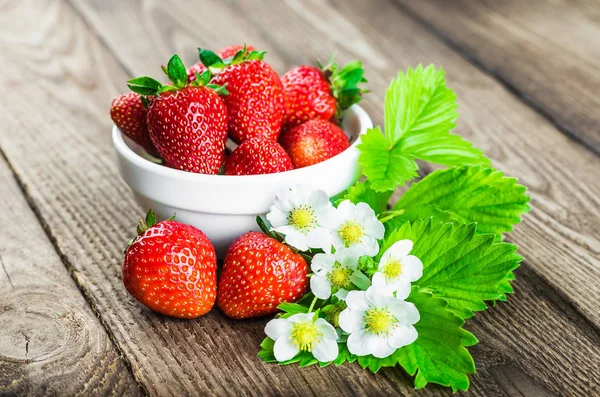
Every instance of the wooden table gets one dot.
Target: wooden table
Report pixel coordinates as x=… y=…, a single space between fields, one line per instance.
x=526 y=76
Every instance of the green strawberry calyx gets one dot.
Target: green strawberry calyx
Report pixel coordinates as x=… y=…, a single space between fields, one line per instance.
x=177 y=74
x=215 y=64
x=344 y=83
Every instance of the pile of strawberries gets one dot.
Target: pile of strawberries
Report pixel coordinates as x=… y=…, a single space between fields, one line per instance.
x=279 y=123
x=171 y=268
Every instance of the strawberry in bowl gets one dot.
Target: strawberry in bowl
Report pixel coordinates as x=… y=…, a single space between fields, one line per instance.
x=218 y=191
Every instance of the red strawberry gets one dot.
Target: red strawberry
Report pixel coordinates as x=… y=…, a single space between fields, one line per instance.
x=187 y=123
x=129 y=114
x=171 y=268
x=255 y=99
x=320 y=93
x=224 y=53
x=259 y=273
x=313 y=141
x=258 y=156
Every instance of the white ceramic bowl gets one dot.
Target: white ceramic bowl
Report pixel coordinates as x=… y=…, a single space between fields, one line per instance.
x=223 y=206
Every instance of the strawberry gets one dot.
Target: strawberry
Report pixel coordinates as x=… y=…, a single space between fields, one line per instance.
x=321 y=93
x=313 y=141
x=171 y=268
x=255 y=99
x=224 y=53
x=259 y=273
x=129 y=114
x=258 y=156
x=187 y=122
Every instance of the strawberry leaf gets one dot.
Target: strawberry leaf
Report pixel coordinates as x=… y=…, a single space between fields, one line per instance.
x=361 y=191
x=177 y=72
x=465 y=195
x=145 y=85
x=459 y=265
x=211 y=60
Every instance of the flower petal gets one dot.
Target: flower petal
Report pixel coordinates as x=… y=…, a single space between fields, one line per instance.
x=405 y=312
x=412 y=268
x=374 y=228
x=403 y=335
x=296 y=239
x=341 y=294
x=284 y=350
x=350 y=320
x=357 y=300
x=401 y=288
x=301 y=317
x=322 y=261
x=326 y=329
x=382 y=349
x=376 y=298
x=398 y=251
x=278 y=328
x=379 y=282
x=362 y=343
x=277 y=217
x=325 y=351
x=320 y=286
x=327 y=218
x=319 y=238
x=345 y=211
x=351 y=262
x=319 y=200
x=369 y=246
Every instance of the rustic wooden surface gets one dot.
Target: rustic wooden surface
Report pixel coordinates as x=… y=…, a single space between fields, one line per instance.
x=62 y=62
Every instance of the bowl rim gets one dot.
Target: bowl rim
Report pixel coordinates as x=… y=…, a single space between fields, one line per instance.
x=124 y=150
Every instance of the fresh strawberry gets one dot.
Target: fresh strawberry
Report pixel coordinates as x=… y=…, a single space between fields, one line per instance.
x=171 y=268
x=259 y=273
x=258 y=156
x=313 y=141
x=320 y=93
x=255 y=100
x=187 y=122
x=224 y=53
x=129 y=114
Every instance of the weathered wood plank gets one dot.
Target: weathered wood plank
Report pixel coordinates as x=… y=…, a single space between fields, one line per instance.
x=546 y=51
x=50 y=341
x=92 y=213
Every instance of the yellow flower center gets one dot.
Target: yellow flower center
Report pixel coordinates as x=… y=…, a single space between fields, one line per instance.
x=302 y=217
x=392 y=269
x=351 y=232
x=379 y=321
x=339 y=277
x=305 y=335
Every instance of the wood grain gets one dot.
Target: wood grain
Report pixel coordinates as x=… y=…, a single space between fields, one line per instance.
x=91 y=214
x=547 y=51
x=50 y=341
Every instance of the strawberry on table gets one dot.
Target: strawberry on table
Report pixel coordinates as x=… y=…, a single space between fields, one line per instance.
x=321 y=92
x=128 y=113
x=171 y=268
x=255 y=99
x=259 y=273
x=313 y=141
x=224 y=53
x=258 y=156
x=186 y=122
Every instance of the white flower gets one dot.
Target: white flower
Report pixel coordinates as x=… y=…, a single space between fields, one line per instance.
x=335 y=273
x=303 y=332
x=397 y=269
x=356 y=230
x=303 y=215
x=378 y=324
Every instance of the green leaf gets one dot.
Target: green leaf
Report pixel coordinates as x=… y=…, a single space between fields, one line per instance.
x=177 y=72
x=150 y=218
x=465 y=195
x=292 y=308
x=362 y=192
x=385 y=166
x=420 y=112
x=144 y=85
x=462 y=267
x=219 y=89
x=211 y=60
x=439 y=354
